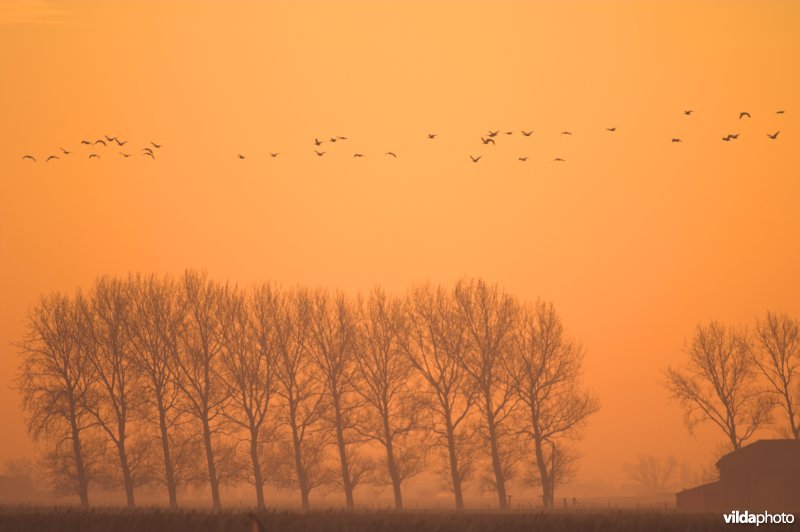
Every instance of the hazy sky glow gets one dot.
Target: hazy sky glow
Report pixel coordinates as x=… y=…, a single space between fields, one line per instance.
x=635 y=239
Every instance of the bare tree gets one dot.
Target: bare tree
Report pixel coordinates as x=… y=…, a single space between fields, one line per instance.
x=333 y=329
x=154 y=326
x=393 y=410
x=197 y=367
x=54 y=378
x=288 y=314
x=718 y=384
x=561 y=466
x=248 y=368
x=778 y=357
x=654 y=474
x=115 y=399
x=546 y=367
x=58 y=462
x=435 y=344
x=489 y=316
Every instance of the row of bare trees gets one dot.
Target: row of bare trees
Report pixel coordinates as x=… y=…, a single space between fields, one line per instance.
x=142 y=378
x=741 y=380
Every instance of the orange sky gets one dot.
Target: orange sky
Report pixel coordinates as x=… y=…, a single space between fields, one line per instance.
x=634 y=239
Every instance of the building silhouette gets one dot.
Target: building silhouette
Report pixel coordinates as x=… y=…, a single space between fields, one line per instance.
x=762 y=476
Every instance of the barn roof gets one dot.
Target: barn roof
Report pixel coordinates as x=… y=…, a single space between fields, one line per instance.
x=708 y=487
x=784 y=454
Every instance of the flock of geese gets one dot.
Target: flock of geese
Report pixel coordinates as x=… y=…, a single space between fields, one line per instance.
x=489 y=138
x=106 y=142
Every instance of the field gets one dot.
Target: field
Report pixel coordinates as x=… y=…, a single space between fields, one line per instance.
x=30 y=519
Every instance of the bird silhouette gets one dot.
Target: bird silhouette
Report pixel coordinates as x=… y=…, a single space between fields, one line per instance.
x=475 y=159
x=154 y=157
x=274 y=154
x=358 y=155
x=93 y=155
x=52 y=157
x=523 y=159
x=558 y=160
x=393 y=154
x=487 y=141
x=431 y=135
x=743 y=114
x=509 y=132
x=566 y=132
x=527 y=133
x=240 y=156
x=318 y=142
x=31 y=157
x=493 y=133
x=332 y=139
x=65 y=152
x=727 y=139
x=780 y=112
x=110 y=139
x=86 y=142
x=674 y=140
x=688 y=112
x=101 y=141
x=774 y=135
x=147 y=149
x=126 y=155
x=319 y=153
x=342 y=138
x=611 y=129
x=120 y=142
x=155 y=145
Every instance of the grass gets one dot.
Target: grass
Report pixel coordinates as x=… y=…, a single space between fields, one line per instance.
x=68 y=519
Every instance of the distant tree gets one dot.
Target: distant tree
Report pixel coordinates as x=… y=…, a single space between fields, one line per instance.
x=777 y=355
x=289 y=315
x=155 y=327
x=394 y=409
x=489 y=316
x=435 y=345
x=19 y=467
x=115 y=400
x=655 y=474
x=197 y=368
x=709 y=472
x=719 y=384
x=248 y=363
x=546 y=368
x=332 y=345
x=54 y=379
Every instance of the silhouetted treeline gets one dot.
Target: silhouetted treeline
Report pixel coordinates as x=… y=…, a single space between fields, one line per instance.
x=741 y=380
x=187 y=381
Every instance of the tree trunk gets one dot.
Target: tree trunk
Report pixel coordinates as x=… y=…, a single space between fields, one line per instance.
x=346 y=481
x=302 y=478
x=127 y=479
x=257 y=478
x=80 y=468
x=169 y=470
x=454 y=474
x=790 y=410
x=212 y=467
x=544 y=474
x=497 y=465
x=390 y=461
